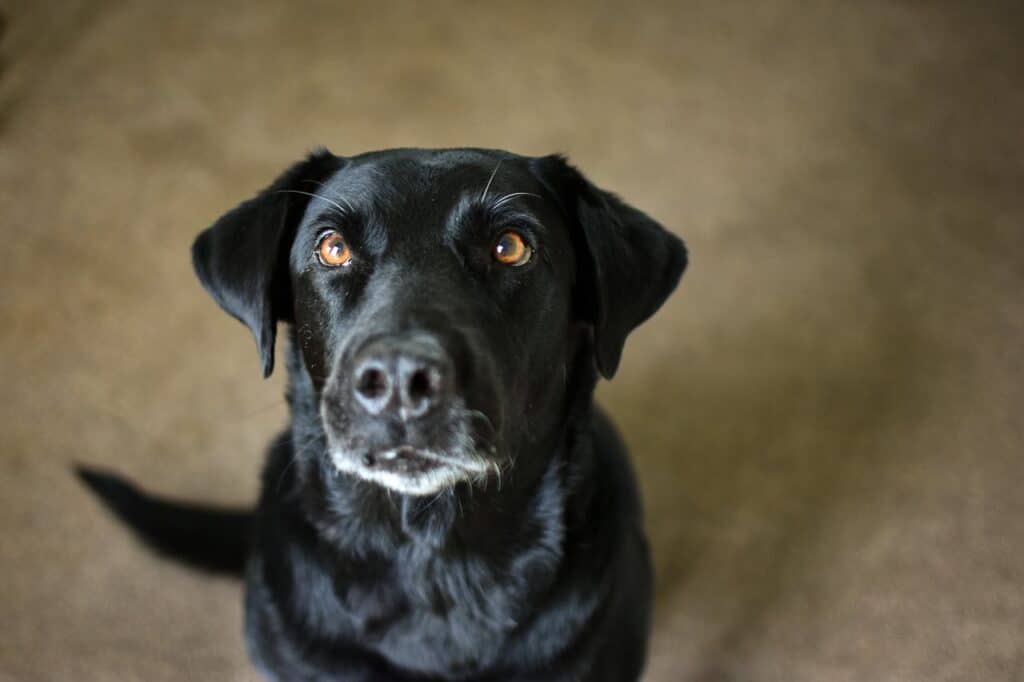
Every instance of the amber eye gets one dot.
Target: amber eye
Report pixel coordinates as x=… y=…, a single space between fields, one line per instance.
x=512 y=249
x=332 y=250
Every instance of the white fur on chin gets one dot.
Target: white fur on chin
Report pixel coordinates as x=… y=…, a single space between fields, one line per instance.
x=428 y=482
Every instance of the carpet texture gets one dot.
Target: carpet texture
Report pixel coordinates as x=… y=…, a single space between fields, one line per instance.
x=826 y=418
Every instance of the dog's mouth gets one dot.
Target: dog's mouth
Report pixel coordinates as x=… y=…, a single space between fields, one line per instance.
x=414 y=461
x=405 y=459
x=411 y=470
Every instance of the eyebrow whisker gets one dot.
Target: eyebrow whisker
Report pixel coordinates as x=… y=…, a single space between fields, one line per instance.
x=340 y=197
x=341 y=208
x=509 y=197
x=483 y=195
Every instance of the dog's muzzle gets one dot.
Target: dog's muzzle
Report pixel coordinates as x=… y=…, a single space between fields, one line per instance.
x=405 y=426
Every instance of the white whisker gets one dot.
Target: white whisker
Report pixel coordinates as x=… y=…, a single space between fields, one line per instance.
x=320 y=196
x=497 y=473
x=483 y=195
x=509 y=197
x=295 y=454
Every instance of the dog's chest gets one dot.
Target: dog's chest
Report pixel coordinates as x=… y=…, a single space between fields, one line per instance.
x=418 y=609
x=434 y=612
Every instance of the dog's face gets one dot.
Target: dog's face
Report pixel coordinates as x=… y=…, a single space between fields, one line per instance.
x=430 y=301
x=438 y=299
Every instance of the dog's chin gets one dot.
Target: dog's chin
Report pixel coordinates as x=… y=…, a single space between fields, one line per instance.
x=411 y=471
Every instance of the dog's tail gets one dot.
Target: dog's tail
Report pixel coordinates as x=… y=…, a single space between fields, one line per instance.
x=208 y=538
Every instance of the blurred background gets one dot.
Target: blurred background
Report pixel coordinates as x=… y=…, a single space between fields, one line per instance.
x=826 y=417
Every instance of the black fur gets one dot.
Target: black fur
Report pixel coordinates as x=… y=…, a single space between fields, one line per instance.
x=538 y=570
x=214 y=540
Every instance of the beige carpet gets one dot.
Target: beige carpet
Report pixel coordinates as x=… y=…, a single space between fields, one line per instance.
x=827 y=417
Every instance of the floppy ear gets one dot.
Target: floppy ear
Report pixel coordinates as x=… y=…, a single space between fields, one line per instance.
x=627 y=264
x=242 y=259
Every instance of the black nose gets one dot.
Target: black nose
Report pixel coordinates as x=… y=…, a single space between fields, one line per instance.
x=404 y=376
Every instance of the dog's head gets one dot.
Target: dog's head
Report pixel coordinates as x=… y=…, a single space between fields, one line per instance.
x=439 y=299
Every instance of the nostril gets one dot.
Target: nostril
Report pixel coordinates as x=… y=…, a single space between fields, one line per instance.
x=422 y=385
x=399 y=377
x=372 y=383
x=421 y=389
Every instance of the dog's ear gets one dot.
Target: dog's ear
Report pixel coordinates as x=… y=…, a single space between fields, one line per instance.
x=242 y=259
x=627 y=264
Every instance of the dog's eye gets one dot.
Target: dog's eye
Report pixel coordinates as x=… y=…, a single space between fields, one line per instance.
x=332 y=250
x=512 y=249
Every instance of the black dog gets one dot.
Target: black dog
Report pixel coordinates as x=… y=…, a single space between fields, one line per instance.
x=447 y=503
